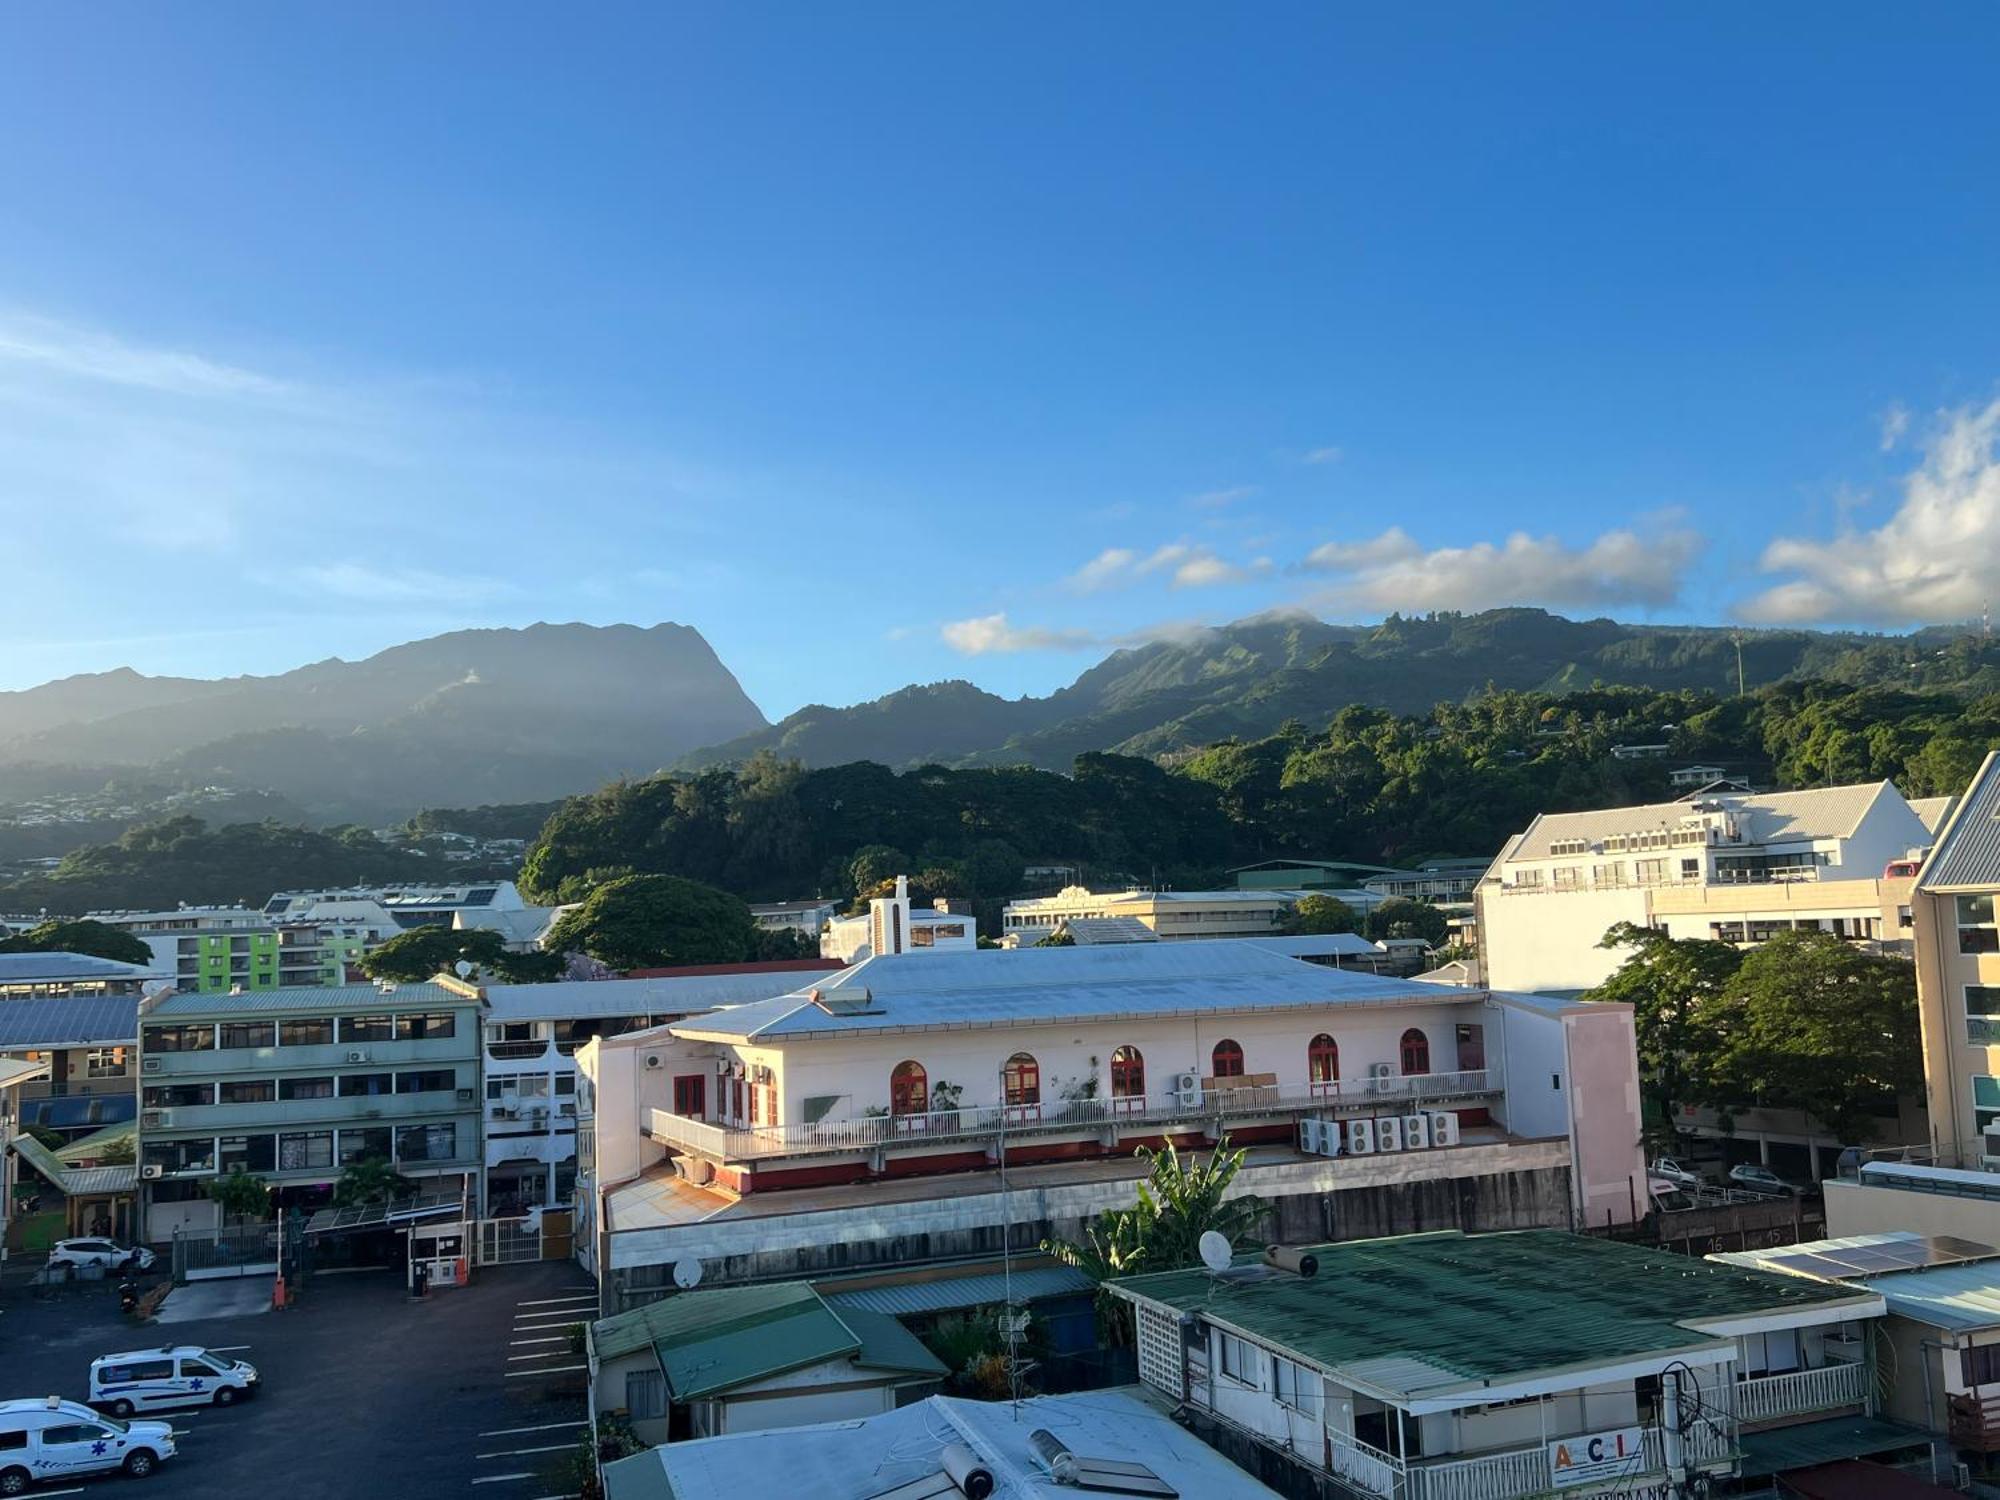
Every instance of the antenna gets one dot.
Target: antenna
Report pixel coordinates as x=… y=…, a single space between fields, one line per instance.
x=1736 y=636
x=1214 y=1248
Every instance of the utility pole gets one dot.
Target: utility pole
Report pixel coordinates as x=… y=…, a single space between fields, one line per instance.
x=1736 y=637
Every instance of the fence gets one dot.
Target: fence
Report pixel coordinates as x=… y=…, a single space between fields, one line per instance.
x=235 y=1250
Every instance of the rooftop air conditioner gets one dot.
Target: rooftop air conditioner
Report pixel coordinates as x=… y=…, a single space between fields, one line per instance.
x=1187 y=1088
x=150 y=1171
x=155 y=1119
x=1329 y=1137
x=1309 y=1137
x=1361 y=1137
x=1444 y=1128
x=1416 y=1132
x=1389 y=1134
x=1380 y=1076
x=357 y=1055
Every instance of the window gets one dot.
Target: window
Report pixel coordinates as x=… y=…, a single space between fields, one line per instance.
x=1564 y=879
x=691 y=1096
x=1021 y=1080
x=1471 y=1046
x=1323 y=1060
x=249 y=1091
x=1128 y=1074
x=181 y=1156
x=178 y=1095
x=428 y=1081
x=1982 y=1014
x=370 y=1141
x=1980 y=1364
x=909 y=1089
x=1651 y=870
x=1293 y=1384
x=143 y=1369
x=1986 y=1108
x=104 y=1062
x=645 y=1394
x=1528 y=878
x=427 y=1142
x=1226 y=1061
x=313 y=1031
x=302 y=1150
x=249 y=1034
x=1238 y=1358
x=250 y=1153
x=417 y=1028
x=1690 y=869
x=1416 y=1050
x=305 y=1088
x=367 y=1029
x=353 y=1084
x=179 y=1038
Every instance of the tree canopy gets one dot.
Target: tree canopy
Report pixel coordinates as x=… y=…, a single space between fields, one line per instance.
x=431 y=949
x=646 y=921
x=99 y=940
x=1318 y=915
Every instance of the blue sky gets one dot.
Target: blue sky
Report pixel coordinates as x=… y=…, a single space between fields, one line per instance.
x=889 y=343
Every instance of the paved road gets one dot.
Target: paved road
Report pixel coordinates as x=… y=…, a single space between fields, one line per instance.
x=470 y=1394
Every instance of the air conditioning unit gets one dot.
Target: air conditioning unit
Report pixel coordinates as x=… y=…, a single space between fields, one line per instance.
x=652 y=1059
x=149 y=1065
x=1389 y=1134
x=357 y=1054
x=1379 y=1076
x=1187 y=1089
x=1416 y=1132
x=156 y=1119
x=465 y=1096
x=1309 y=1137
x=1444 y=1128
x=1329 y=1137
x=1361 y=1137
x=150 y=1171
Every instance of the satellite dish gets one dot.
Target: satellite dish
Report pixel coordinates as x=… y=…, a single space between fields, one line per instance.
x=687 y=1274
x=463 y=967
x=1214 y=1249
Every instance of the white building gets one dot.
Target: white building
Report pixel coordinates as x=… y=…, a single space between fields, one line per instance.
x=808 y=917
x=1171 y=915
x=893 y=925
x=1735 y=866
x=407 y=905
x=857 y=1119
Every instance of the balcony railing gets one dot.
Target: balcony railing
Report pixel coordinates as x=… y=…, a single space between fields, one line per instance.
x=1769 y=1397
x=1975 y=1423
x=1519 y=1472
x=517 y=1051
x=745 y=1143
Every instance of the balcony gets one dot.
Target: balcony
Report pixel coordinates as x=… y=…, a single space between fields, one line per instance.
x=757 y=1142
x=1510 y=1474
x=527 y=1051
x=1771 y=1397
x=1975 y=1423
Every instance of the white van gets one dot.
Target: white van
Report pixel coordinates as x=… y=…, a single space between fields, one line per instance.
x=177 y=1375
x=57 y=1439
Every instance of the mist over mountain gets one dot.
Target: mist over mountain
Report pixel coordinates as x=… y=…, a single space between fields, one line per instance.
x=475 y=716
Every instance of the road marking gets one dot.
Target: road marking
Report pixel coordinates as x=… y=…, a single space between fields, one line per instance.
x=517 y=1452
x=547 y=1301
x=554 y=1338
x=539 y=1427
x=503 y=1478
x=514 y=1359
x=545 y=1370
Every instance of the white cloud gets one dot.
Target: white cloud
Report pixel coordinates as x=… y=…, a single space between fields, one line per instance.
x=1895 y=423
x=1219 y=499
x=1322 y=456
x=349 y=580
x=1185 y=564
x=988 y=634
x=1103 y=570
x=89 y=355
x=1936 y=559
x=1392 y=572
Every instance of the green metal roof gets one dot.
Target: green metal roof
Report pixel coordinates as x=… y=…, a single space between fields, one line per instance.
x=304 y=999
x=1783 y=1448
x=94 y=1143
x=1483 y=1307
x=710 y=1341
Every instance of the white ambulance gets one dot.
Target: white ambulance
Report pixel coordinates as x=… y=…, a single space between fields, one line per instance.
x=57 y=1439
x=177 y=1375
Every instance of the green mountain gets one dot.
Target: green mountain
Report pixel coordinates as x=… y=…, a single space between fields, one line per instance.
x=1247 y=679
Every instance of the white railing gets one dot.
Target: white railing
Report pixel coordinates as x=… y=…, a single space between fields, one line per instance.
x=1367 y=1469
x=1518 y=1472
x=742 y=1142
x=1769 y=1397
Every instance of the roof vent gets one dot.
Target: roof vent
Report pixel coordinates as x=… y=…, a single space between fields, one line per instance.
x=962 y=1466
x=1287 y=1258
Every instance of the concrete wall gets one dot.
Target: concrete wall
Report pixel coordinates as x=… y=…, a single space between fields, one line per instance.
x=1547 y=940
x=1854 y=1209
x=1951 y=1057
x=1604 y=1106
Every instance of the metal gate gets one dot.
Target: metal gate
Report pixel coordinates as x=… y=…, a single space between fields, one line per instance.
x=506 y=1242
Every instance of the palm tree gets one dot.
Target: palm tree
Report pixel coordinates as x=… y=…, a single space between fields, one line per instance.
x=371 y=1179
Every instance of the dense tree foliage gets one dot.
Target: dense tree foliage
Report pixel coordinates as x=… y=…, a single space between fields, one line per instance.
x=94 y=938
x=1318 y=915
x=433 y=949
x=647 y=921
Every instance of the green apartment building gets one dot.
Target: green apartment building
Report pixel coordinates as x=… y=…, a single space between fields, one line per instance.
x=292 y=1084
x=212 y=950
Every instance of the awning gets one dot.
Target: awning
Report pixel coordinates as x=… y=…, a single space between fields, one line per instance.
x=74 y=1182
x=385 y=1215
x=1855 y=1479
x=1811 y=1443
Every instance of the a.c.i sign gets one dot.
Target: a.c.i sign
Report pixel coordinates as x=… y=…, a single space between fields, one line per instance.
x=1592 y=1456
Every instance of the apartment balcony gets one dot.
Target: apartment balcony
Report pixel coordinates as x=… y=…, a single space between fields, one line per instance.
x=1510 y=1474
x=278 y=1114
x=1771 y=1398
x=735 y=1143
x=527 y=1051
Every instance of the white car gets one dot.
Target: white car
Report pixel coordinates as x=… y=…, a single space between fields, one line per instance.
x=176 y=1375
x=1686 y=1179
x=97 y=1252
x=1760 y=1180
x=56 y=1439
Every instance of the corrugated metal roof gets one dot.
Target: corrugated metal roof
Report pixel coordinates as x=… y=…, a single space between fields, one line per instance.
x=80 y=1182
x=15 y=1070
x=888 y=1345
x=1320 y=945
x=1766 y=817
x=65 y=968
x=1090 y=931
x=696 y=1315
x=307 y=999
x=1782 y=1448
x=1967 y=853
x=94 y=1143
x=1028 y=985
x=68 y=1021
x=575 y=1000
x=1455 y=1309
x=950 y=1293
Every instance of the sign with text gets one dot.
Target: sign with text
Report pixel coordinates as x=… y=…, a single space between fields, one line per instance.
x=1593 y=1456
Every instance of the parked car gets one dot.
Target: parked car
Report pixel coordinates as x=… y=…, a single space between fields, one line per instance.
x=1669 y=1170
x=57 y=1439
x=100 y=1252
x=1760 y=1180
x=176 y=1375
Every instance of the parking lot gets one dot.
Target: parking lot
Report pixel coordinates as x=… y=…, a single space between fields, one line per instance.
x=469 y=1392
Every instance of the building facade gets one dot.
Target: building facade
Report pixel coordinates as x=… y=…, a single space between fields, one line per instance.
x=1172 y=915
x=1734 y=866
x=293 y=1085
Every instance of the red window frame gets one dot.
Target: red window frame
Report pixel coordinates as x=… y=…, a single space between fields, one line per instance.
x=1226 y=1060
x=690 y=1095
x=909 y=1089
x=1021 y=1081
x=1323 y=1061
x=1128 y=1075
x=1416 y=1053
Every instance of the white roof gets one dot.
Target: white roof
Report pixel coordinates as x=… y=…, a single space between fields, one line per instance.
x=1765 y=817
x=852 y=1460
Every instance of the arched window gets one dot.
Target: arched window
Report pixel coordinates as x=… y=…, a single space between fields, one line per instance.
x=909 y=1090
x=1227 y=1059
x=1322 y=1060
x=1416 y=1052
x=1021 y=1080
x=1128 y=1074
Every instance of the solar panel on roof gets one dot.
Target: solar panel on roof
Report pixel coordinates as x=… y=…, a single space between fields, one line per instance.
x=1963 y=1249
x=481 y=897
